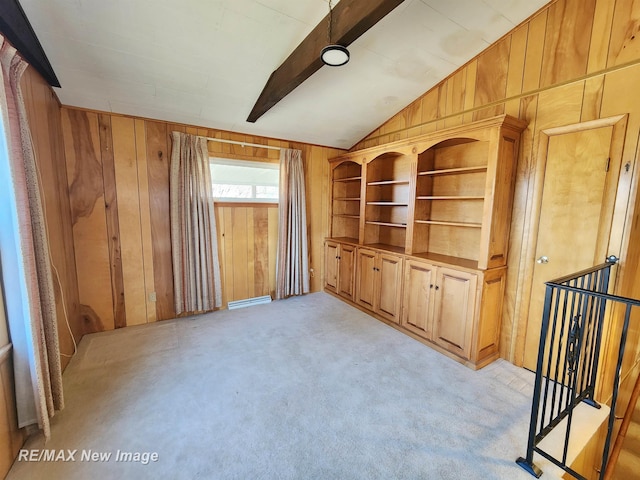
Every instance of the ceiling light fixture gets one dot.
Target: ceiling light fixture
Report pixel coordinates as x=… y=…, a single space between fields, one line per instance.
x=333 y=55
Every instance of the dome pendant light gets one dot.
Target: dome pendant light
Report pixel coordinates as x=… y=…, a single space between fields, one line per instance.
x=333 y=55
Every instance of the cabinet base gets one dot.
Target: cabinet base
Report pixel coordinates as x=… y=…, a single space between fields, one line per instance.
x=474 y=365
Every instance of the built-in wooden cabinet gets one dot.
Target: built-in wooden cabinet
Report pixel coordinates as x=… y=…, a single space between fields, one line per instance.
x=454 y=310
x=462 y=312
x=379 y=282
x=439 y=204
x=340 y=268
x=417 y=304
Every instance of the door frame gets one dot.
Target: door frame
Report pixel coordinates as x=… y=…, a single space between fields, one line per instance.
x=617 y=208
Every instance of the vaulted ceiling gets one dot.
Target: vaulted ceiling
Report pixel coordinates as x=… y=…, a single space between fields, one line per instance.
x=205 y=62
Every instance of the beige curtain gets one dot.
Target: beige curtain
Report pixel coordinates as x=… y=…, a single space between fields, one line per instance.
x=292 y=264
x=26 y=267
x=194 y=241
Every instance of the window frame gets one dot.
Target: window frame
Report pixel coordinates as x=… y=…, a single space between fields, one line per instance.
x=244 y=201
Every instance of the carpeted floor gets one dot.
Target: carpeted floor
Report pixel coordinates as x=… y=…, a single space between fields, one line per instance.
x=306 y=388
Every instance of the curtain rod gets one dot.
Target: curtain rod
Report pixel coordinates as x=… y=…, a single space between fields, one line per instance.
x=244 y=144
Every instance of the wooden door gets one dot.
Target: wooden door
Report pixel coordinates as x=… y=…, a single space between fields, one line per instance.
x=417 y=306
x=331 y=266
x=389 y=286
x=346 y=264
x=365 y=277
x=454 y=310
x=575 y=217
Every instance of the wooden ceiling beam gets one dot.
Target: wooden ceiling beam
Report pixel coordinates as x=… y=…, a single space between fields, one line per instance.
x=351 y=18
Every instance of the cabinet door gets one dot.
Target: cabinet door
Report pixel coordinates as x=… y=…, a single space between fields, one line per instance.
x=346 y=270
x=365 y=277
x=454 y=310
x=389 y=286
x=417 y=307
x=331 y=266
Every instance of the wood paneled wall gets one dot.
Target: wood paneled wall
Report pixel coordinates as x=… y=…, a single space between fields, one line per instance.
x=118 y=170
x=248 y=236
x=11 y=437
x=572 y=62
x=43 y=111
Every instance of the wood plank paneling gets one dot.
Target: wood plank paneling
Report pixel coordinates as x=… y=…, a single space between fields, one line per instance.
x=491 y=78
x=145 y=218
x=11 y=437
x=261 y=251
x=455 y=97
x=515 y=71
x=567 y=39
x=433 y=106
x=470 y=90
x=112 y=223
x=247 y=236
x=86 y=194
x=158 y=155
x=240 y=252
x=127 y=188
x=273 y=248
x=624 y=46
x=592 y=99
x=535 y=51
x=43 y=113
x=600 y=35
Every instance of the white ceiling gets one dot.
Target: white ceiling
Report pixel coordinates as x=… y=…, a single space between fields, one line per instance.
x=205 y=62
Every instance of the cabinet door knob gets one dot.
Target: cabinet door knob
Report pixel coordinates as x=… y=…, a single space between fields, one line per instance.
x=543 y=259
x=437 y=287
x=431 y=285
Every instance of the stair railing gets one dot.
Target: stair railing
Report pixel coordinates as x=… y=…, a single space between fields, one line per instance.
x=624 y=427
x=568 y=359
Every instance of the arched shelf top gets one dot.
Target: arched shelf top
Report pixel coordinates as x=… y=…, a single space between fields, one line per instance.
x=385 y=156
x=489 y=130
x=450 y=142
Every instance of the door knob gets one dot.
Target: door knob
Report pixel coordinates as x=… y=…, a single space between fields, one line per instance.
x=543 y=259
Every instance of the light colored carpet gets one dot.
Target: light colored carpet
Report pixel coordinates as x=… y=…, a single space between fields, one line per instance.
x=305 y=388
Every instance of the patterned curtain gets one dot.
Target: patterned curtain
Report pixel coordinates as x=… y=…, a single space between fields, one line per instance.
x=292 y=264
x=194 y=241
x=26 y=266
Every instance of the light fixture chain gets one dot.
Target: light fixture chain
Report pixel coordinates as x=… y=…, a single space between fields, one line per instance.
x=330 y=22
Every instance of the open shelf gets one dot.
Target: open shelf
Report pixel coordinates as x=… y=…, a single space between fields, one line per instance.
x=454 y=171
x=450 y=197
x=450 y=224
x=346 y=193
x=389 y=182
x=348 y=179
x=387 y=224
x=389 y=204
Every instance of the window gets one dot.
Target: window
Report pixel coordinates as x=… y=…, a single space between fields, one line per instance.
x=244 y=181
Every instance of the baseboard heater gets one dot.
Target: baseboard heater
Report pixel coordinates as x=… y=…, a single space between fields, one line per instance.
x=247 y=302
